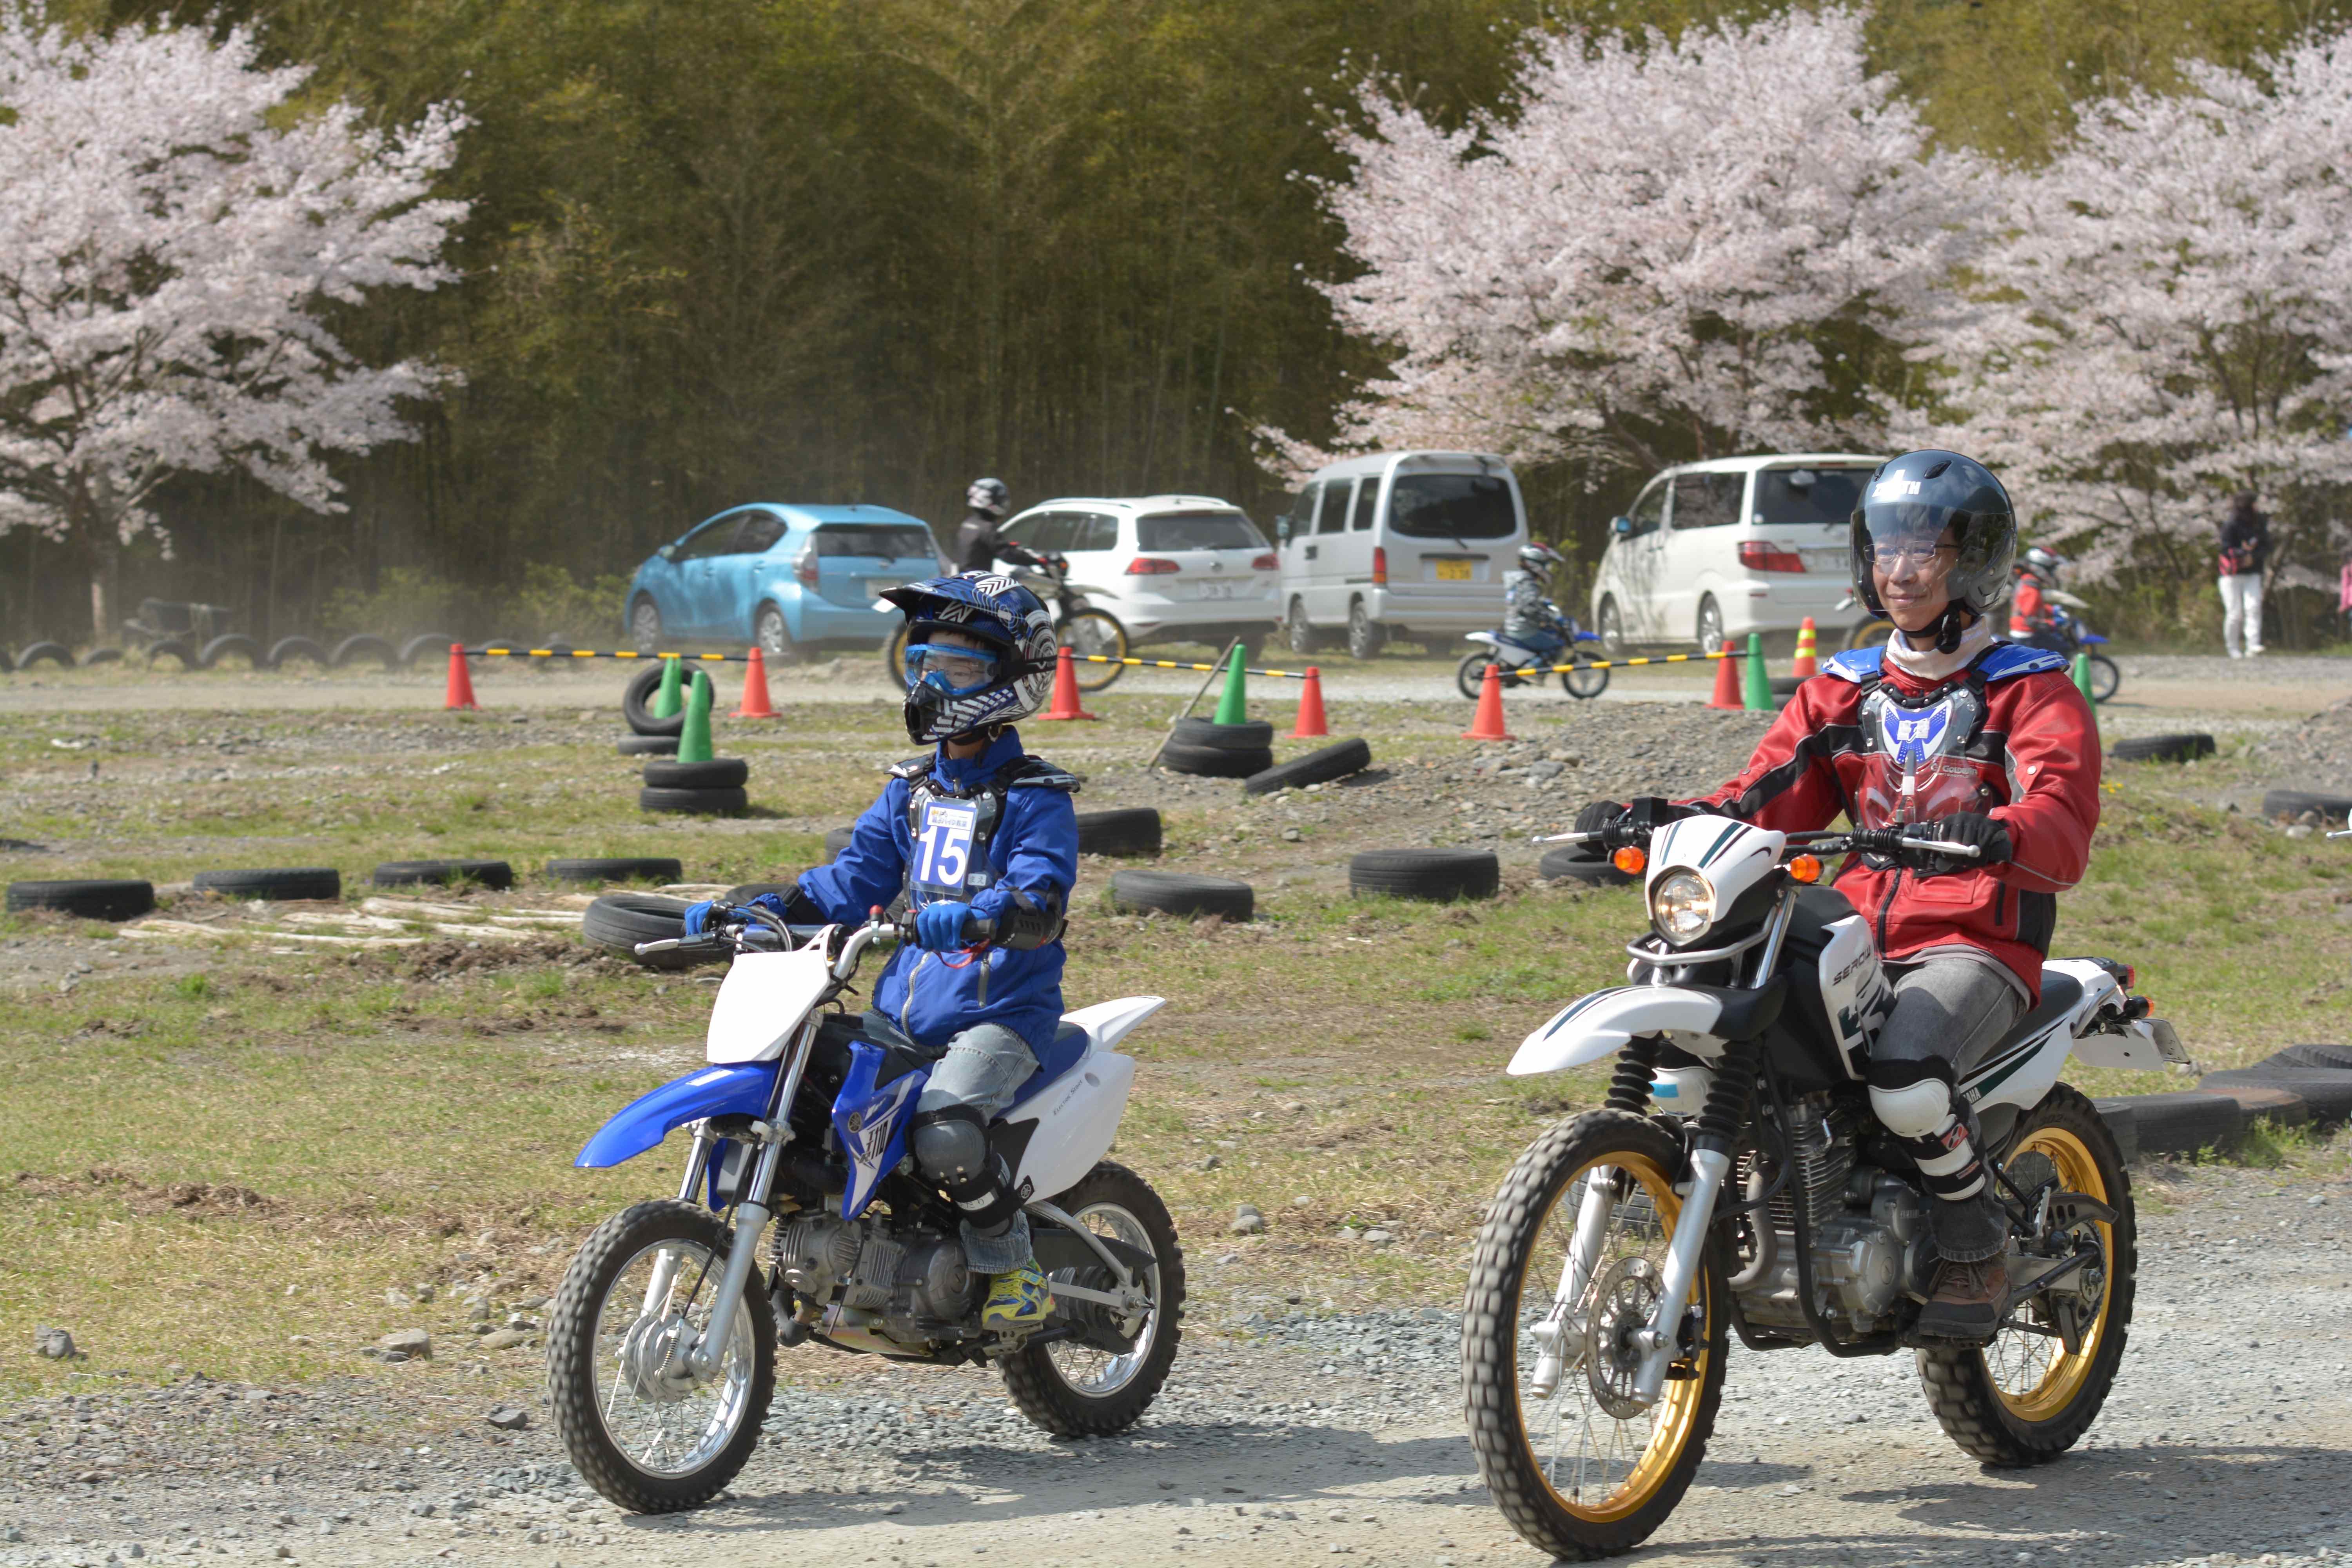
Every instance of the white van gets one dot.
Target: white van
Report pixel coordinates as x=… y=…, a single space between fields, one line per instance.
x=1407 y=544
x=1713 y=551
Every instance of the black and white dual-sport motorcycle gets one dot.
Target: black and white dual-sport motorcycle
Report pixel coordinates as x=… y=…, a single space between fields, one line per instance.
x=1736 y=1179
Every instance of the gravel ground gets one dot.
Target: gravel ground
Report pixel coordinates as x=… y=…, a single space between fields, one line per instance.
x=1285 y=1432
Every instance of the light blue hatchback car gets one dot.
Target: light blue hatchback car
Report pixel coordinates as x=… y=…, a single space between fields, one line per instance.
x=786 y=577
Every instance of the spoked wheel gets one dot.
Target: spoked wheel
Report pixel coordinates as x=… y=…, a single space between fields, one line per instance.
x=893 y=657
x=1472 y=675
x=2032 y=1394
x=1095 y=633
x=1577 y=1463
x=1090 y=1387
x=1870 y=634
x=1584 y=680
x=648 y=1435
x=2105 y=678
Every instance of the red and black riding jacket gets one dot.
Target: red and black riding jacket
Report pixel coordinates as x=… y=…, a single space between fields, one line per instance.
x=2009 y=737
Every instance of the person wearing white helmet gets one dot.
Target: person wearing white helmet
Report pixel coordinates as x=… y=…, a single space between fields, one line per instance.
x=1530 y=618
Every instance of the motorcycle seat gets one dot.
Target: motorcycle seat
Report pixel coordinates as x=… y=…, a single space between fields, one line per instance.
x=1068 y=1048
x=2061 y=993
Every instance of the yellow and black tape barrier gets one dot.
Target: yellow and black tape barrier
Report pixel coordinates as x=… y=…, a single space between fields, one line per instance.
x=594 y=653
x=1529 y=669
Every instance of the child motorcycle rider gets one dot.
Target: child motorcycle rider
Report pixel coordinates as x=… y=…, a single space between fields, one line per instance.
x=1980 y=742
x=2029 y=606
x=1530 y=618
x=976 y=830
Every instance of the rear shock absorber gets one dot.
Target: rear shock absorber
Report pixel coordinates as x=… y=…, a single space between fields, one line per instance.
x=1629 y=1086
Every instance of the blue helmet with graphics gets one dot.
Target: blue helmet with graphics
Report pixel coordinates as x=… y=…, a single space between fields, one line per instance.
x=980 y=652
x=1943 y=509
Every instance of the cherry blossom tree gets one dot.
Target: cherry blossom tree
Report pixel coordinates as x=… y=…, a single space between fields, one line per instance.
x=178 y=244
x=1663 y=250
x=2165 y=316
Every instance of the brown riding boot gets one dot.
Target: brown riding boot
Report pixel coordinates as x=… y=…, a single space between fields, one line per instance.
x=1968 y=1303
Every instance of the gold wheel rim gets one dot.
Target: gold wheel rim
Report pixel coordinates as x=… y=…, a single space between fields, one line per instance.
x=2033 y=1375
x=1647 y=1447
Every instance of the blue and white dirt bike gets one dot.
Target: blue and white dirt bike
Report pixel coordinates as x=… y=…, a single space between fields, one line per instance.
x=661 y=1350
x=1517 y=661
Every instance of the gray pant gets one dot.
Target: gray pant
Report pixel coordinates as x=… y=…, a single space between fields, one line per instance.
x=1947 y=1012
x=985 y=1066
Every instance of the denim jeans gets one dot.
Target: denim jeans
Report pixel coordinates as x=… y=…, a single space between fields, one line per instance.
x=984 y=1068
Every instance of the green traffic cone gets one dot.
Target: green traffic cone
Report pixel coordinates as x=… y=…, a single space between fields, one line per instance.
x=667 y=699
x=694 y=740
x=2083 y=679
x=1755 y=687
x=1232 y=707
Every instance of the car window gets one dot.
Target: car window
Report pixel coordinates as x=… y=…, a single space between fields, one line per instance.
x=1301 y=516
x=1810 y=494
x=759 y=534
x=716 y=537
x=1706 y=500
x=882 y=540
x=1094 y=531
x=1368 y=496
x=1041 y=531
x=1197 y=531
x=1650 y=511
x=1452 y=506
x=1333 y=518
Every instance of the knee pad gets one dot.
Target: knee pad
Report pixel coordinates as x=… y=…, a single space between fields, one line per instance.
x=1912 y=1099
x=950 y=1144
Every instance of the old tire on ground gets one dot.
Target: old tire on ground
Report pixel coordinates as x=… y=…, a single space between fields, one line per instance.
x=364 y=645
x=284 y=648
x=616 y=868
x=1050 y=1381
x=106 y=900
x=1438 y=875
x=646 y=745
x=1181 y=893
x=1336 y=761
x=1969 y=1388
x=618 y=922
x=175 y=648
x=289 y=882
x=514 y=647
x=2259 y=1101
x=744 y=892
x=580 y=1374
x=436 y=644
x=2337 y=1056
x=100 y=656
x=2183 y=1123
x=636 y=699
x=1254 y=735
x=2325 y=1093
x=55 y=653
x=1215 y=762
x=691 y=802
x=1129 y=830
x=2183 y=748
x=1786 y=685
x=2291 y=803
x=496 y=875
x=1571 y=862
x=228 y=645
x=720 y=773
x=836 y=839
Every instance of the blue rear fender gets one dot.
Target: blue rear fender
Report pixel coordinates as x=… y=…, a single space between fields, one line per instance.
x=742 y=1090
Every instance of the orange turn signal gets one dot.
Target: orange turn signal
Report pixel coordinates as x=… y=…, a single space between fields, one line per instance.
x=1805 y=868
x=1630 y=859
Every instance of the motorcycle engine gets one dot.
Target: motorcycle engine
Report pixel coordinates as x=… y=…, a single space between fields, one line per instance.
x=1869 y=1231
x=909 y=1286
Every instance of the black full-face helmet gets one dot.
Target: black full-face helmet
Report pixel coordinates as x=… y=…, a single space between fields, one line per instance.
x=1943 y=503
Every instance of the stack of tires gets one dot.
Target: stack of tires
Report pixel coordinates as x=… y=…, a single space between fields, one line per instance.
x=648 y=736
x=695 y=789
x=1211 y=751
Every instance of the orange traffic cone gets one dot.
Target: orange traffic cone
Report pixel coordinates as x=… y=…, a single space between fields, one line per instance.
x=1489 y=724
x=461 y=682
x=755 y=704
x=1806 y=666
x=1310 y=708
x=1727 y=692
x=1066 y=690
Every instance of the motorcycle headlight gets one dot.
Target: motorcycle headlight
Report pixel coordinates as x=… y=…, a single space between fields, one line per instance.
x=1682 y=906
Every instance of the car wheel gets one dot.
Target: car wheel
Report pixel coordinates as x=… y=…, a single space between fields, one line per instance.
x=1296 y=631
x=1710 y=625
x=774 y=637
x=1613 y=629
x=1365 y=635
x=645 y=624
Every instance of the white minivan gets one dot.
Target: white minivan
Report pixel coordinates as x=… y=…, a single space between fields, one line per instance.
x=1405 y=544
x=1713 y=551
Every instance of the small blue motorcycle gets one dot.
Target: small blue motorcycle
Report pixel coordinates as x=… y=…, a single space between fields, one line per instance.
x=1519 y=662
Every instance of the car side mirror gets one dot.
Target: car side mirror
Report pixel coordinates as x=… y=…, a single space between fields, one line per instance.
x=1622 y=527
x=668 y=553
x=1282 y=530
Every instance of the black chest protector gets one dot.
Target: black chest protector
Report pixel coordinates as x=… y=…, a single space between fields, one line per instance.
x=1925 y=757
x=951 y=827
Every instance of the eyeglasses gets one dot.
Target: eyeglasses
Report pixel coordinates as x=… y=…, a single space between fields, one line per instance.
x=1897 y=557
x=957 y=671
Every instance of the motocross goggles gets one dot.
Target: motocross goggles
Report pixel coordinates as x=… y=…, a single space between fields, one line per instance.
x=951 y=670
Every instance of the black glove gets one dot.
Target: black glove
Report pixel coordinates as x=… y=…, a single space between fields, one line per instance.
x=1989 y=836
x=1598 y=817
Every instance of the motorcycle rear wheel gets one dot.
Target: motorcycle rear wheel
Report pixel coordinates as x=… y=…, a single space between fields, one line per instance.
x=2025 y=1399
x=1074 y=1390
x=2105 y=678
x=1470 y=676
x=1572 y=1478
x=1095 y=632
x=649 y=1445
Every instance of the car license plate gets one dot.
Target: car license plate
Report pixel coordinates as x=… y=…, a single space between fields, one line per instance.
x=1217 y=590
x=1826 y=559
x=1453 y=571
x=878 y=586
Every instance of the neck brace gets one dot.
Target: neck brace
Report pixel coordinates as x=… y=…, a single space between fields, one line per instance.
x=1927 y=664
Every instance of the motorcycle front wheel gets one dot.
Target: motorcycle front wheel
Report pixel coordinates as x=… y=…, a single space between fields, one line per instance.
x=648 y=1439
x=1097 y=634
x=2032 y=1394
x=1870 y=634
x=1583 y=1470
x=2105 y=678
x=893 y=657
x=1584 y=680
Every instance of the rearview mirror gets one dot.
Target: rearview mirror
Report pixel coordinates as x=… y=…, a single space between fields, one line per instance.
x=1622 y=527
x=1282 y=530
x=668 y=553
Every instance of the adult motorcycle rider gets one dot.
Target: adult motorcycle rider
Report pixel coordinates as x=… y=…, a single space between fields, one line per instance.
x=978 y=546
x=1980 y=741
x=976 y=830
x=1530 y=618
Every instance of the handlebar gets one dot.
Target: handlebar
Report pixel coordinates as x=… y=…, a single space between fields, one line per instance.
x=734 y=928
x=1888 y=841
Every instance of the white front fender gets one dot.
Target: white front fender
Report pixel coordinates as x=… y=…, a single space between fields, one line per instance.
x=1598 y=1025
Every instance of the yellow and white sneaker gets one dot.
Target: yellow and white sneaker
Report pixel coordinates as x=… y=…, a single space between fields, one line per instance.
x=1017 y=1299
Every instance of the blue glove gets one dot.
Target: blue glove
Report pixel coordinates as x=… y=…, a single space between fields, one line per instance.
x=771 y=902
x=697 y=916
x=940 y=927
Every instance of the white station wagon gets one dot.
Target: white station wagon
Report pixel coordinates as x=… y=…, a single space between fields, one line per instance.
x=1713 y=551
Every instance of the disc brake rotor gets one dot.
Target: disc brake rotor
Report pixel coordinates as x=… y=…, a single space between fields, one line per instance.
x=1622 y=1299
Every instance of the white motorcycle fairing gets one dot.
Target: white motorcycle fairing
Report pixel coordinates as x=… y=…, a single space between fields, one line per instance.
x=1597 y=1025
x=1066 y=1127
